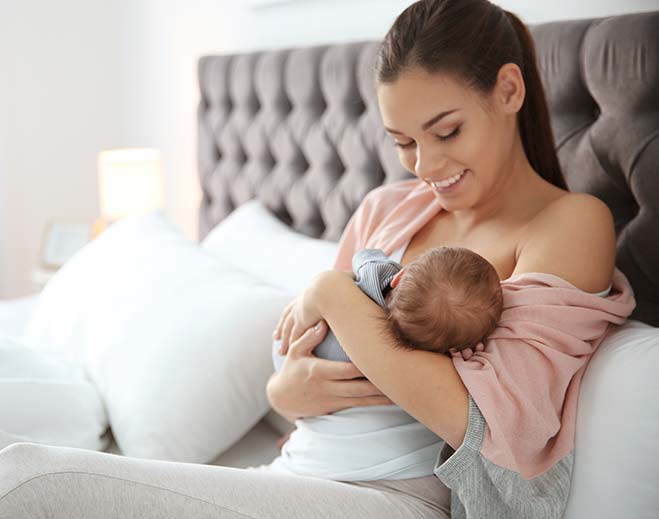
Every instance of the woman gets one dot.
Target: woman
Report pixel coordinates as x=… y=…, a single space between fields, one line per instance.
x=460 y=94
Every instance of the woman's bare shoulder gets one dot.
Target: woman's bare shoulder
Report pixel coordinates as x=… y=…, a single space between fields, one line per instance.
x=573 y=237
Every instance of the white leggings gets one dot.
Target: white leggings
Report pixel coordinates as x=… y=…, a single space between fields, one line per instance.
x=41 y=481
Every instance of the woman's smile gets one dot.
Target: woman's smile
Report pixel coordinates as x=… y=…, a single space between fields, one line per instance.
x=450 y=185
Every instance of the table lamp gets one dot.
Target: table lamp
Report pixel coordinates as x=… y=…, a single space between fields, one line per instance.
x=129 y=182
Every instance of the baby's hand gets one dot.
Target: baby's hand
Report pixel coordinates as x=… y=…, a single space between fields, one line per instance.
x=467 y=353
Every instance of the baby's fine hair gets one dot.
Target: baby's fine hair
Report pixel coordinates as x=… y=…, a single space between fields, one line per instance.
x=449 y=285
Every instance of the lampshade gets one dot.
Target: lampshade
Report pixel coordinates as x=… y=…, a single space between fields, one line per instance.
x=129 y=182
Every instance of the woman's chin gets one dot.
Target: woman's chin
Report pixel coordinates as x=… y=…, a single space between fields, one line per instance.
x=453 y=205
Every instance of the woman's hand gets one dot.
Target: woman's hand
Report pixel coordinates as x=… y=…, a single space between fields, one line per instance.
x=301 y=313
x=310 y=386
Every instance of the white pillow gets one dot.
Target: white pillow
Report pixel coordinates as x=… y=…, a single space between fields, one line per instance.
x=14 y=314
x=44 y=400
x=177 y=342
x=616 y=465
x=273 y=252
x=255 y=241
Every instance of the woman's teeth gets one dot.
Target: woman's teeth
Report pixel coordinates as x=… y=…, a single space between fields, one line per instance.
x=449 y=181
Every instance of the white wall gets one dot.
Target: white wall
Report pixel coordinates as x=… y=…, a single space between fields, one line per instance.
x=82 y=76
x=59 y=104
x=178 y=34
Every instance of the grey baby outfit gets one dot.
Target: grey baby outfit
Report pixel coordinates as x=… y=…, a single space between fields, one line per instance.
x=373 y=273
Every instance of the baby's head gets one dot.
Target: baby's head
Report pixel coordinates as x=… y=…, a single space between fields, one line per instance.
x=449 y=297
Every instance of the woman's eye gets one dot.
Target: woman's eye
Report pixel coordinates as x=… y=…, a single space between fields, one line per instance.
x=406 y=145
x=454 y=133
x=442 y=138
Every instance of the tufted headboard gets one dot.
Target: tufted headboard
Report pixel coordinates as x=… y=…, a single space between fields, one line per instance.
x=300 y=129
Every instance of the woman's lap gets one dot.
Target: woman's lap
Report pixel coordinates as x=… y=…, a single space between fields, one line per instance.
x=60 y=482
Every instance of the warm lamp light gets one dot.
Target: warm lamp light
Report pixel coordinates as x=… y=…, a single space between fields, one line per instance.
x=129 y=182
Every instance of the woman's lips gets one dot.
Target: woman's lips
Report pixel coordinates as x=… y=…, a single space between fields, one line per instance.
x=452 y=187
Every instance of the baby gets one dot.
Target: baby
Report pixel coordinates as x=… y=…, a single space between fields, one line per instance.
x=448 y=298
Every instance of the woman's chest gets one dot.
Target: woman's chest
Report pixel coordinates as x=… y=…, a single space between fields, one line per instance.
x=497 y=243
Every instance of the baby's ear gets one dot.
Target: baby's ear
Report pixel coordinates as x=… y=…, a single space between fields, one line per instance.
x=396 y=278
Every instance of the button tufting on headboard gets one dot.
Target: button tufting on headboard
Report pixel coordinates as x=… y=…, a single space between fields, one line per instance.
x=300 y=129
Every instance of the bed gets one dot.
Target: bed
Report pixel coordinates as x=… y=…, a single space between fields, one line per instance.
x=299 y=130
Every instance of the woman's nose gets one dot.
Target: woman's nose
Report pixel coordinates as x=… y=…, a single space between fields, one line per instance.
x=429 y=165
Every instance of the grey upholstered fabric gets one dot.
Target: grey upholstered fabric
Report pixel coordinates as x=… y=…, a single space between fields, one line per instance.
x=301 y=130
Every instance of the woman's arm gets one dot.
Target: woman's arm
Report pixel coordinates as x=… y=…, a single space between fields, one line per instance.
x=425 y=384
x=311 y=386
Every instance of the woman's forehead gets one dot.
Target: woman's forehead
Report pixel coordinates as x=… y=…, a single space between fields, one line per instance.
x=416 y=97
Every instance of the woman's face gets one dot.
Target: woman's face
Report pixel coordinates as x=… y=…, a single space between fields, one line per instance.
x=472 y=138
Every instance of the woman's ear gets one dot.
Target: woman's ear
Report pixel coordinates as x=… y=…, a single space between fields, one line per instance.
x=510 y=89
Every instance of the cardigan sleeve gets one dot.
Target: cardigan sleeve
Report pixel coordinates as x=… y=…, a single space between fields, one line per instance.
x=480 y=488
x=517 y=456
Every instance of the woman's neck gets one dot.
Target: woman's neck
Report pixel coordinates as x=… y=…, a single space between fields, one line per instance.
x=518 y=186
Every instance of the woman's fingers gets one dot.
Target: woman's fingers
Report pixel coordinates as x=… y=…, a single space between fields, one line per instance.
x=286 y=333
x=287 y=310
x=310 y=386
x=336 y=370
x=306 y=343
x=296 y=333
x=356 y=388
x=282 y=350
x=277 y=333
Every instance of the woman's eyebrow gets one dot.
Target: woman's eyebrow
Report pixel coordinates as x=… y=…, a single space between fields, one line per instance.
x=428 y=123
